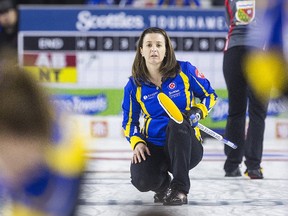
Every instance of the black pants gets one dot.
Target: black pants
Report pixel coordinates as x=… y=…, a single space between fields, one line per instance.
x=182 y=152
x=240 y=96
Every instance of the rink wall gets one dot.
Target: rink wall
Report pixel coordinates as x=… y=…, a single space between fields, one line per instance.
x=110 y=127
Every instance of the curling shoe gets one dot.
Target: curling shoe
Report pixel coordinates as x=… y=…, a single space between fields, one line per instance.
x=234 y=173
x=254 y=174
x=175 y=198
x=159 y=197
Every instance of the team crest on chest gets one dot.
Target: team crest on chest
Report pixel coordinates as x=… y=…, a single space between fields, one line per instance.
x=245 y=12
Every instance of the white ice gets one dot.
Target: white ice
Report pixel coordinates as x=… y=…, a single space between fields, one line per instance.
x=107 y=190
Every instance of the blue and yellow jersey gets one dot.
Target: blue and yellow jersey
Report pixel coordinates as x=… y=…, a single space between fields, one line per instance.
x=184 y=89
x=52 y=189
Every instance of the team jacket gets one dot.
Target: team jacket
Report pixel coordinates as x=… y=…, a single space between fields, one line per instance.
x=188 y=85
x=241 y=17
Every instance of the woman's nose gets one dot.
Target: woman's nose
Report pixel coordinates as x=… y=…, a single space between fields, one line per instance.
x=153 y=48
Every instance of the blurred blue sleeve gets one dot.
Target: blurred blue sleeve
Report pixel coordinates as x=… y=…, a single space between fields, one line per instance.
x=275 y=18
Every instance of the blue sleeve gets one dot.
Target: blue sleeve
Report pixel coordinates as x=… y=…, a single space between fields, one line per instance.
x=131 y=114
x=201 y=87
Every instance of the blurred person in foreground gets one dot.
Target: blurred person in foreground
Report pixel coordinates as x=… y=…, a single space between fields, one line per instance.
x=163 y=147
x=268 y=69
x=41 y=160
x=8 y=26
x=240 y=16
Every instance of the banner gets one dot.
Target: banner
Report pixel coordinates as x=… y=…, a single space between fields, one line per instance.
x=104 y=102
x=92 y=47
x=84 y=18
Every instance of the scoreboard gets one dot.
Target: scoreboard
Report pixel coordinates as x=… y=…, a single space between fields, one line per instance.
x=117 y=43
x=94 y=47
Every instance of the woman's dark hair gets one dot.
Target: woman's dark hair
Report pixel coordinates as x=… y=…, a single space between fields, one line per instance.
x=25 y=109
x=169 y=66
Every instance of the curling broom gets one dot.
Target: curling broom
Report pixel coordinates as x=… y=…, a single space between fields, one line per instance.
x=174 y=113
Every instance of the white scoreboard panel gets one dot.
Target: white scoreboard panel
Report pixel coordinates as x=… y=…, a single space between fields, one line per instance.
x=91 y=47
x=105 y=61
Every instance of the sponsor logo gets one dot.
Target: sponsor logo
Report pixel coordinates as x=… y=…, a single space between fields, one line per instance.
x=99 y=129
x=220 y=110
x=282 y=130
x=188 y=23
x=150 y=96
x=277 y=106
x=172 y=85
x=120 y=20
x=89 y=105
x=175 y=93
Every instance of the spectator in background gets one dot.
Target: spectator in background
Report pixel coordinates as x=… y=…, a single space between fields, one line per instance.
x=179 y=2
x=217 y=2
x=9 y=21
x=100 y=2
x=41 y=166
x=51 y=2
x=240 y=16
x=8 y=26
x=138 y=3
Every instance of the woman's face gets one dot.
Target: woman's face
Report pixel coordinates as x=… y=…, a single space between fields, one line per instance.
x=153 y=48
x=19 y=158
x=8 y=18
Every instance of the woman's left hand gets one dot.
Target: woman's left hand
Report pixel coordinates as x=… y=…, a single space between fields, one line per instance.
x=139 y=153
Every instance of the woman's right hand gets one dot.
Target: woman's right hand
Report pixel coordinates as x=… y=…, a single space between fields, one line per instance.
x=139 y=153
